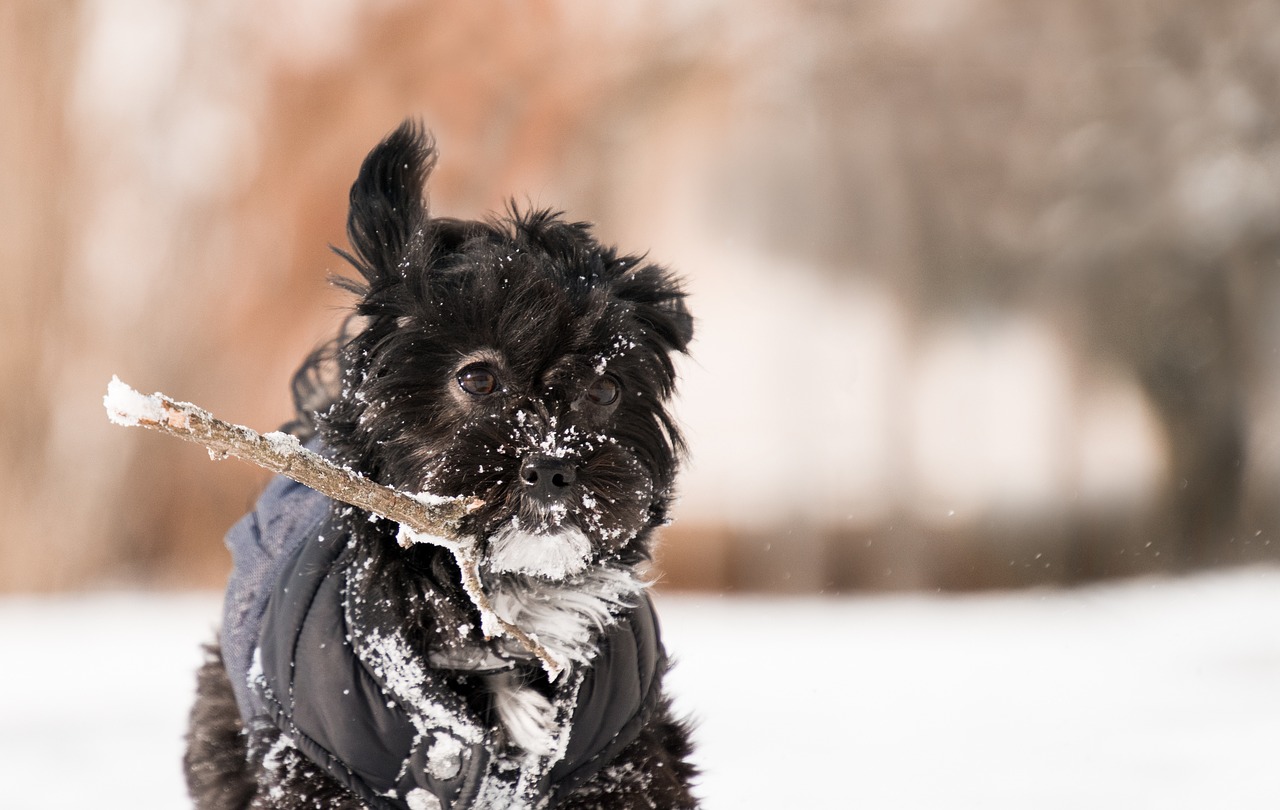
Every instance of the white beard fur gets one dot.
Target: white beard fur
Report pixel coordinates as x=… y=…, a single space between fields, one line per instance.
x=528 y=717
x=565 y=617
x=551 y=555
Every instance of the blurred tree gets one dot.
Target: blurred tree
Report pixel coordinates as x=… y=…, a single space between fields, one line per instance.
x=36 y=214
x=1108 y=166
x=1112 y=166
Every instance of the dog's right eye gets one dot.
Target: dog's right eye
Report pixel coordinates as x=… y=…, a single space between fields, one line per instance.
x=479 y=381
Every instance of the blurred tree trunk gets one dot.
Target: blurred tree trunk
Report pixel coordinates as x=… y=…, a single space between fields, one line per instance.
x=36 y=220
x=1179 y=331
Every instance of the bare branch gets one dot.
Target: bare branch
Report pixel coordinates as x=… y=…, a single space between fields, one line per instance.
x=423 y=518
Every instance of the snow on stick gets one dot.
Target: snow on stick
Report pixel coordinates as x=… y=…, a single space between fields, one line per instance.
x=422 y=518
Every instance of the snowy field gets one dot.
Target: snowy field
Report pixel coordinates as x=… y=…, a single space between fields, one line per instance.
x=1155 y=693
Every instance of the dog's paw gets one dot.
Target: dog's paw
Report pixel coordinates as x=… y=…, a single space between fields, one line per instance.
x=528 y=717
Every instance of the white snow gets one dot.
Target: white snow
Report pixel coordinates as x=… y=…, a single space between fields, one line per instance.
x=285 y=444
x=392 y=661
x=127 y=407
x=419 y=799
x=431 y=499
x=1154 y=693
x=407 y=536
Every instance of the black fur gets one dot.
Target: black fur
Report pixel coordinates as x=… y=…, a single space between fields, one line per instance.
x=215 y=757
x=548 y=310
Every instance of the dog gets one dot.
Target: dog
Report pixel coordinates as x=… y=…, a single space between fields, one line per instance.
x=518 y=361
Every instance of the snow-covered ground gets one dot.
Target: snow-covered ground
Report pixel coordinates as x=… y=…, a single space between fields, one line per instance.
x=1155 y=693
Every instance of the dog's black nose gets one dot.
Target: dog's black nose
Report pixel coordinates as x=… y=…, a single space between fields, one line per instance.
x=548 y=479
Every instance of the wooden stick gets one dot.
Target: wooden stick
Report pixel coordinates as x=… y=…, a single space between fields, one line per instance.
x=490 y=622
x=423 y=518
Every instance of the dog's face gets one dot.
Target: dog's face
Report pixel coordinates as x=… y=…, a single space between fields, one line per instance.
x=517 y=361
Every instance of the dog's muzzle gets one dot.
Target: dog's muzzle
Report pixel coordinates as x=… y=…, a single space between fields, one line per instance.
x=539 y=542
x=555 y=555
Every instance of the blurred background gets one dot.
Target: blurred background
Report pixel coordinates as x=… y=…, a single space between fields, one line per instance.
x=988 y=291
x=988 y=300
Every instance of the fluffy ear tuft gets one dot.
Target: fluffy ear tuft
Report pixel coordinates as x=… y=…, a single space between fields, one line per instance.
x=388 y=212
x=681 y=322
x=659 y=301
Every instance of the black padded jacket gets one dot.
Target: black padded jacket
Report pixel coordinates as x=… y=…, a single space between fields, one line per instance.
x=385 y=724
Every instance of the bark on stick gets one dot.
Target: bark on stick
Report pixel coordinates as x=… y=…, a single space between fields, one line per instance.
x=423 y=518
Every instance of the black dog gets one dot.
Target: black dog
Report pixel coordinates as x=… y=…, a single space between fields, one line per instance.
x=517 y=361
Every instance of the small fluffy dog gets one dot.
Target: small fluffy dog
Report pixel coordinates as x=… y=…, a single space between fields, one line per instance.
x=517 y=361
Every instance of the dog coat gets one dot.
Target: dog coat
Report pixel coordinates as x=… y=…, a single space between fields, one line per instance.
x=345 y=690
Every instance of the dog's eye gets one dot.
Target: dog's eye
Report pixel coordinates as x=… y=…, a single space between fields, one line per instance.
x=478 y=380
x=604 y=391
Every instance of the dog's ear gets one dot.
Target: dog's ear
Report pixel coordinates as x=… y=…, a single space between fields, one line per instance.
x=671 y=317
x=659 y=303
x=388 y=214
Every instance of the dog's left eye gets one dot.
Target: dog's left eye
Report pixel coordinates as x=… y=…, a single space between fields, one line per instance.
x=604 y=391
x=479 y=381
